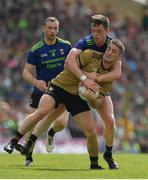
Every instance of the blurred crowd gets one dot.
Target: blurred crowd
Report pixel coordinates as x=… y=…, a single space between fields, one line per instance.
x=20 y=29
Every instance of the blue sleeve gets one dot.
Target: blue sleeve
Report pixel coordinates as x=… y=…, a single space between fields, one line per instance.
x=69 y=47
x=81 y=44
x=31 y=58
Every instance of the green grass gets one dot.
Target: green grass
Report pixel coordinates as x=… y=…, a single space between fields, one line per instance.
x=69 y=166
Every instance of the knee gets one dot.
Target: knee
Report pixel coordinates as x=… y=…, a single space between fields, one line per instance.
x=60 y=124
x=91 y=134
x=110 y=122
x=41 y=114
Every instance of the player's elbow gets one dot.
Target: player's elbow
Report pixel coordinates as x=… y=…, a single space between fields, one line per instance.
x=24 y=74
x=66 y=64
x=117 y=75
x=70 y=59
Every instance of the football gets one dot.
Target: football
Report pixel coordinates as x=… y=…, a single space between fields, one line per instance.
x=82 y=91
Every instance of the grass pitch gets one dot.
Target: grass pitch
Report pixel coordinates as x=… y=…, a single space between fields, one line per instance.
x=70 y=166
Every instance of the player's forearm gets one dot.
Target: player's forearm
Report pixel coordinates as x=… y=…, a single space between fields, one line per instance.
x=111 y=76
x=74 y=68
x=72 y=65
x=29 y=77
x=91 y=75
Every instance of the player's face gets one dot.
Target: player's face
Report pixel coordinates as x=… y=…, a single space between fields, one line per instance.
x=112 y=53
x=50 y=30
x=99 y=33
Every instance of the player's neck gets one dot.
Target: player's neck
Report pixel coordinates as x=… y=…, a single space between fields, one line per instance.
x=106 y=64
x=49 y=42
x=101 y=43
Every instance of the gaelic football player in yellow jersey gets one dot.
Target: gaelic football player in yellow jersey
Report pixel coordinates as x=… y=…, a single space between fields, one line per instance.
x=97 y=40
x=56 y=94
x=112 y=54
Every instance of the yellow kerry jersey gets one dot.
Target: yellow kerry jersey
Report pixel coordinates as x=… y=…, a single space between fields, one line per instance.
x=89 y=61
x=106 y=86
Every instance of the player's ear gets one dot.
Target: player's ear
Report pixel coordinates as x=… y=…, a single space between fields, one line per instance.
x=119 y=57
x=43 y=28
x=107 y=30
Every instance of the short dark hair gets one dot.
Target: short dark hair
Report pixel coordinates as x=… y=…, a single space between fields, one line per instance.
x=52 y=19
x=99 y=19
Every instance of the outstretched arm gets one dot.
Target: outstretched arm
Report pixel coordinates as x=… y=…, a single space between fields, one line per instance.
x=110 y=76
x=72 y=64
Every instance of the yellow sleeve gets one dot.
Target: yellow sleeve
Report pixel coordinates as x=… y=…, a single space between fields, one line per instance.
x=84 y=57
x=88 y=56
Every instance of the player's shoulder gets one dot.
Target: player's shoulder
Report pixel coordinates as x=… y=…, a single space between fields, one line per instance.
x=89 y=39
x=63 y=41
x=108 y=40
x=92 y=53
x=37 y=46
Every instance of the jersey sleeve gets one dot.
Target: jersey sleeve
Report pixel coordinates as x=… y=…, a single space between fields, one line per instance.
x=69 y=47
x=81 y=44
x=84 y=58
x=31 y=59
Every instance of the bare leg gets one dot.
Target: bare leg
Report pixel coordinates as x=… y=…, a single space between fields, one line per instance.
x=46 y=105
x=86 y=122
x=107 y=114
x=106 y=111
x=43 y=125
x=29 y=133
x=58 y=125
x=61 y=122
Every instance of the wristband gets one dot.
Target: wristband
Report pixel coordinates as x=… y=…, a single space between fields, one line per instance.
x=83 y=78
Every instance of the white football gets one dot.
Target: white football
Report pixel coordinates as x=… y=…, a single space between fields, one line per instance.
x=82 y=90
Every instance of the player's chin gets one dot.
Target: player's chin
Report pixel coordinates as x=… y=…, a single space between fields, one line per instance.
x=51 y=37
